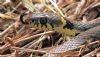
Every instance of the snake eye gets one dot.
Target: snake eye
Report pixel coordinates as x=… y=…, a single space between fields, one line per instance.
x=43 y=20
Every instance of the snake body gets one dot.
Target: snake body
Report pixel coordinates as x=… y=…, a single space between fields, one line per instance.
x=93 y=33
x=54 y=22
x=88 y=25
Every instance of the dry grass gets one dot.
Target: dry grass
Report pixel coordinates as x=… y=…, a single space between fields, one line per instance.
x=19 y=40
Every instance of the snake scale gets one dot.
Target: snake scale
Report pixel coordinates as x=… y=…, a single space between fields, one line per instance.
x=52 y=22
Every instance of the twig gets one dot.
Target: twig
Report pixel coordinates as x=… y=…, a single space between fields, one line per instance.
x=32 y=44
x=95 y=5
x=91 y=54
x=38 y=41
x=29 y=44
x=32 y=37
x=15 y=54
x=16 y=7
x=79 y=7
x=7 y=45
x=5 y=31
x=5 y=55
x=89 y=7
x=28 y=50
x=58 y=41
x=4 y=48
x=90 y=43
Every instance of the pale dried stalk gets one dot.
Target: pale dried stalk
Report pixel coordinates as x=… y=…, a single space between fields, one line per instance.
x=71 y=6
x=38 y=41
x=19 y=33
x=80 y=7
x=28 y=50
x=6 y=30
x=98 y=4
x=15 y=54
x=98 y=54
x=92 y=53
x=7 y=45
x=89 y=7
x=34 y=36
x=33 y=43
x=58 y=41
x=16 y=7
x=29 y=44
x=90 y=44
x=5 y=55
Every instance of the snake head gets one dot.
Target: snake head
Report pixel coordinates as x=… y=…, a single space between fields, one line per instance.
x=45 y=21
x=42 y=19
